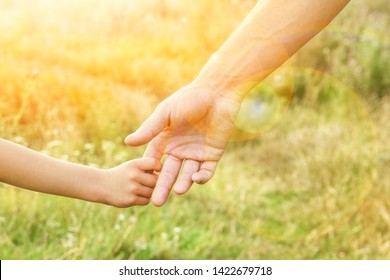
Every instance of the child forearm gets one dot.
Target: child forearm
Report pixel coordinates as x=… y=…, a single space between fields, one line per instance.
x=270 y=34
x=25 y=168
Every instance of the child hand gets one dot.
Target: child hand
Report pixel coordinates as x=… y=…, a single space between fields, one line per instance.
x=130 y=183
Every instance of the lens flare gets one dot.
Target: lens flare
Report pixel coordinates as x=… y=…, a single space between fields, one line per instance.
x=312 y=173
x=264 y=105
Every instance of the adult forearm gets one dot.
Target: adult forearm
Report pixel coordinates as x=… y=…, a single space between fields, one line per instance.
x=25 y=168
x=272 y=32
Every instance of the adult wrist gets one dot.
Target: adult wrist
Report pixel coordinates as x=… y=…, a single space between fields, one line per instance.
x=225 y=84
x=218 y=87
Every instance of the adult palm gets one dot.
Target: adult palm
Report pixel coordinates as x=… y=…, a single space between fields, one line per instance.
x=192 y=127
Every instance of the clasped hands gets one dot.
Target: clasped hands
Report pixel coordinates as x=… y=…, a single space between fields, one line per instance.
x=192 y=128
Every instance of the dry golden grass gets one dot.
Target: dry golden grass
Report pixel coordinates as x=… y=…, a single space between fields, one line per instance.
x=77 y=76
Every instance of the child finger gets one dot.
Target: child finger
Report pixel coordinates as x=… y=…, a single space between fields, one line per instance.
x=149 y=163
x=144 y=191
x=142 y=200
x=148 y=179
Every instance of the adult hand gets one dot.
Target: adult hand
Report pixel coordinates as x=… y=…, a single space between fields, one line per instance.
x=192 y=128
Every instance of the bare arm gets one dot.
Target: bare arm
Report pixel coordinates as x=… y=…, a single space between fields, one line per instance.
x=123 y=186
x=22 y=167
x=194 y=124
x=272 y=32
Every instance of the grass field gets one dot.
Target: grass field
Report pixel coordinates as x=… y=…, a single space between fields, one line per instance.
x=77 y=76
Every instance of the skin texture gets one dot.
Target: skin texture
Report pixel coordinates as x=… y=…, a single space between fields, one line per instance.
x=192 y=127
x=123 y=186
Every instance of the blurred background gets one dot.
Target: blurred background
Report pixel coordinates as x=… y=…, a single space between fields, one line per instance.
x=311 y=181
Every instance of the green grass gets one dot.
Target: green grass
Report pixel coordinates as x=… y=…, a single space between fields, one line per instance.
x=313 y=185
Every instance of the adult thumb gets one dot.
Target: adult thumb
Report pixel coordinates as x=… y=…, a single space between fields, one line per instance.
x=151 y=127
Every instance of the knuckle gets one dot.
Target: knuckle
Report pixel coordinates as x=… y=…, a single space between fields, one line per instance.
x=153 y=162
x=132 y=200
x=133 y=189
x=156 y=163
x=134 y=176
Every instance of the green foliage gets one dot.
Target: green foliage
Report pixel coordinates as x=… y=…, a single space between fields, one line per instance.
x=75 y=80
